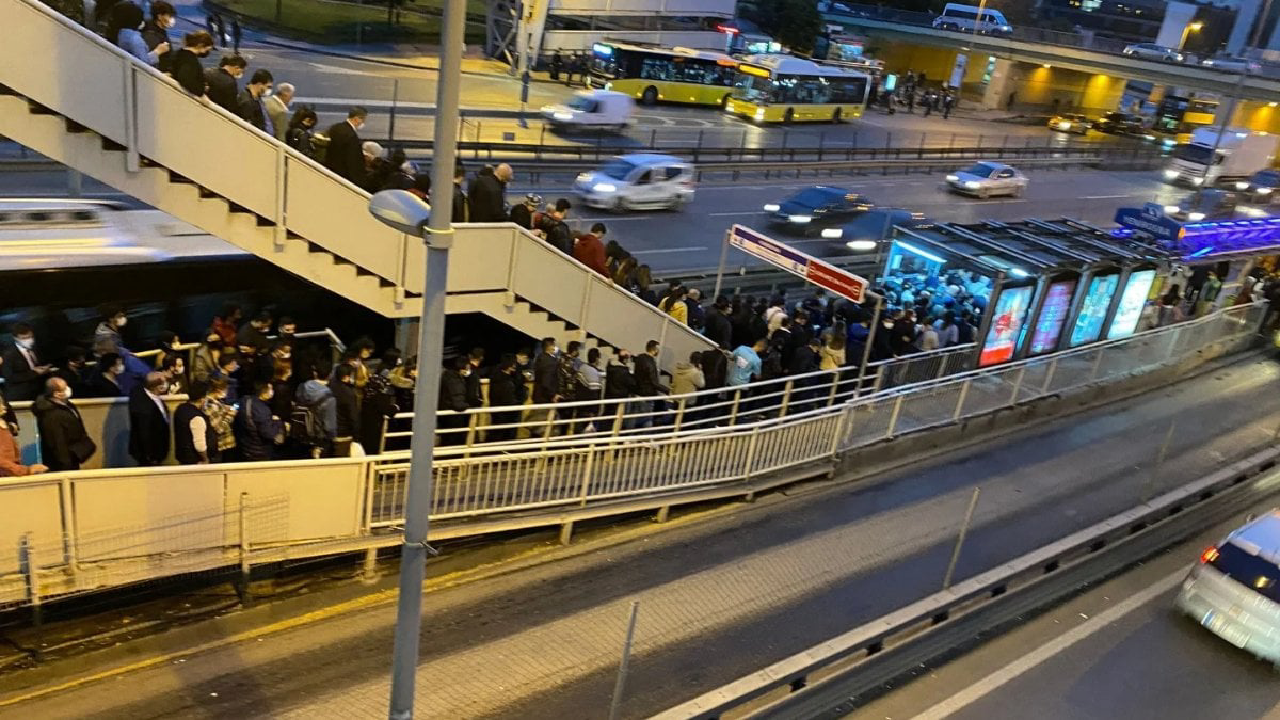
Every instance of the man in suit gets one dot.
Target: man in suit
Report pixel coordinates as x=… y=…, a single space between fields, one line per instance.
x=64 y=443
x=149 y=422
x=345 y=156
x=249 y=105
x=21 y=368
x=278 y=109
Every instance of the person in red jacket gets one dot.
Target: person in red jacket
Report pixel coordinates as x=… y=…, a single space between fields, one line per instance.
x=11 y=456
x=589 y=250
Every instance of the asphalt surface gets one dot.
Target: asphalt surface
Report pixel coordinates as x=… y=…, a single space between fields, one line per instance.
x=1120 y=650
x=759 y=582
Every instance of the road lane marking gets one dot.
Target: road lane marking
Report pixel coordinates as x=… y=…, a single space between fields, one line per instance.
x=1108 y=197
x=736 y=212
x=665 y=251
x=1047 y=651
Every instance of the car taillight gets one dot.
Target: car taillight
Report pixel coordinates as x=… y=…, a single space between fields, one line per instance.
x=1209 y=555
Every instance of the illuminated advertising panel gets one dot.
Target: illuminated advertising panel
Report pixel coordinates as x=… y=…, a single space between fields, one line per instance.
x=1006 y=326
x=1057 y=303
x=1132 y=300
x=1094 y=310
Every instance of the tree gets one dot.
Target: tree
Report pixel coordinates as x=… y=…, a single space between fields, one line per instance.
x=795 y=23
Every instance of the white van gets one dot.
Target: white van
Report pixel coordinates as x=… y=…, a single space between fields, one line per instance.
x=601 y=109
x=965 y=19
x=633 y=182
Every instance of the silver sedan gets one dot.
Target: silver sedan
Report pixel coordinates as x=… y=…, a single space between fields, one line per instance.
x=985 y=179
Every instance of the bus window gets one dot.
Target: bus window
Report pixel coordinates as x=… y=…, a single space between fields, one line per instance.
x=654 y=68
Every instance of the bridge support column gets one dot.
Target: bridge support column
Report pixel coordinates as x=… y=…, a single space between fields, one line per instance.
x=996 y=94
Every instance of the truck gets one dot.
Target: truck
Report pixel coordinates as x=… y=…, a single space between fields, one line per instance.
x=1240 y=154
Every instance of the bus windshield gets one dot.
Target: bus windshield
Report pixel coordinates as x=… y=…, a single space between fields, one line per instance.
x=753 y=88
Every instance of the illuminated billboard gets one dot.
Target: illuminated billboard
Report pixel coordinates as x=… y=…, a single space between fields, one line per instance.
x=1053 y=314
x=1132 y=301
x=1006 y=326
x=1094 y=310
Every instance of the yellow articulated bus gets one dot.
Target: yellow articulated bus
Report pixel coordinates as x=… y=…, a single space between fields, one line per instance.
x=780 y=88
x=652 y=75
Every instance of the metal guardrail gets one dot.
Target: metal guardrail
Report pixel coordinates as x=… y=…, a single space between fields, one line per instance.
x=205 y=517
x=826 y=675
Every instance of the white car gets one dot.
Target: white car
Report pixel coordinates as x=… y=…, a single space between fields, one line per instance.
x=1234 y=591
x=599 y=109
x=641 y=181
x=1231 y=64
x=1152 y=51
x=985 y=179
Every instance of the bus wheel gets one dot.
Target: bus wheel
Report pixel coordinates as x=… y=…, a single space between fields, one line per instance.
x=649 y=96
x=724 y=102
x=789 y=116
x=836 y=116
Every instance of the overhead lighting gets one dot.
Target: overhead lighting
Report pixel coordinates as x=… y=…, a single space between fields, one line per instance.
x=1273 y=103
x=832 y=233
x=1018 y=272
x=861 y=245
x=1046 y=66
x=913 y=249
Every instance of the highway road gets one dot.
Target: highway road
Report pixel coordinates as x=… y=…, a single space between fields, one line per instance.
x=721 y=593
x=1119 y=650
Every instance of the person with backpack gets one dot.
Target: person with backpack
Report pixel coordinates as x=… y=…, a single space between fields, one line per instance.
x=258 y=432
x=314 y=423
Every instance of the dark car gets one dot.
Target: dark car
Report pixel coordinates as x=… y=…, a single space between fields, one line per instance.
x=811 y=210
x=1262 y=188
x=1118 y=123
x=1204 y=205
x=866 y=233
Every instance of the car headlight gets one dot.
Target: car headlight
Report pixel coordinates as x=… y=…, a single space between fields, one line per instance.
x=952 y=178
x=1198 y=181
x=861 y=245
x=772 y=207
x=759 y=113
x=972 y=184
x=1171 y=174
x=1263 y=191
x=1171 y=209
x=604 y=187
x=1064 y=126
x=1005 y=28
x=832 y=233
x=800 y=219
x=563 y=116
x=1195 y=216
x=583 y=177
x=1242 y=185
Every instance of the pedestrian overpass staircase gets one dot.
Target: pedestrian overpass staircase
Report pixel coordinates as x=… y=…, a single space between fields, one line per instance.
x=89 y=105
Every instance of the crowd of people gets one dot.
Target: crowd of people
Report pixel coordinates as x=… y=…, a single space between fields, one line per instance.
x=913 y=90
x=253 y=393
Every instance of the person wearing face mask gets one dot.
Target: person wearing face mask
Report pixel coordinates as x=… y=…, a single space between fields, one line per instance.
x=195 y=441
x=453 y=397
x=175 y=372
x=156 y=33
x=222 y=419
x=73 y=369
x=6 y=410
x=106 y=381
x=106 y=338
x=168 y=345
x=149 y=433
x=344 y=155
x=64 y=444
x=257 y=430
x=314 y=422
x=185 y=63
x=205 y=362
x=123 y=30
x=11 y=456
x=286 y=329
x=22 y=370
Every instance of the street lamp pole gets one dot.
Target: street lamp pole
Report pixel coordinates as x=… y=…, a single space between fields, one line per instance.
x=439 y=237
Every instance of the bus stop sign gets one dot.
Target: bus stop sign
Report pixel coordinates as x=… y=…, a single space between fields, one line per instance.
x=820 y=273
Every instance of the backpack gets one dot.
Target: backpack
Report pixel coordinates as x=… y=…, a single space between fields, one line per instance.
x=305 y=423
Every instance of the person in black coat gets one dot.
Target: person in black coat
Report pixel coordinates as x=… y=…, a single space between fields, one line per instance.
x=223 y=80
x=149 y=431
x=648 y=383
x=186 y=67
x=487 y=195
x=475 y=391
x=555 y=230
x=257 y=430
x=504 y=391
x=21 y=368
x=719 y=329
x=619 y=383
x=64 y=443
x=249 y=103
x=156 y=31
x=546 y=380
x=345 y=156
x=195 y=441
x=453 y=396
x=343 y=388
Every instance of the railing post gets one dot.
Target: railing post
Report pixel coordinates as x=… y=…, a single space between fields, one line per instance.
x=1097 y=362
x=964 y=394
x=893 y=417
x=942 y=369
x=1017 y=386
x=618 y=418
x=244 y=548
x=675 y=426
x=586 y=475
x=733 y=409
x=835 y=386
x=30 y=570
x=751 y=453
x=1048 y=376
x=132 y=158
x=279 y=234
x=69 y=533
x=786 y=397
x=382 y=441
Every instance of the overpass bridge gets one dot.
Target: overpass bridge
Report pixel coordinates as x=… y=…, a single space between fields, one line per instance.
x=1065 y=50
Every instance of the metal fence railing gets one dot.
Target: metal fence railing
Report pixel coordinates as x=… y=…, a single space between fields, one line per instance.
x=96 y=529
